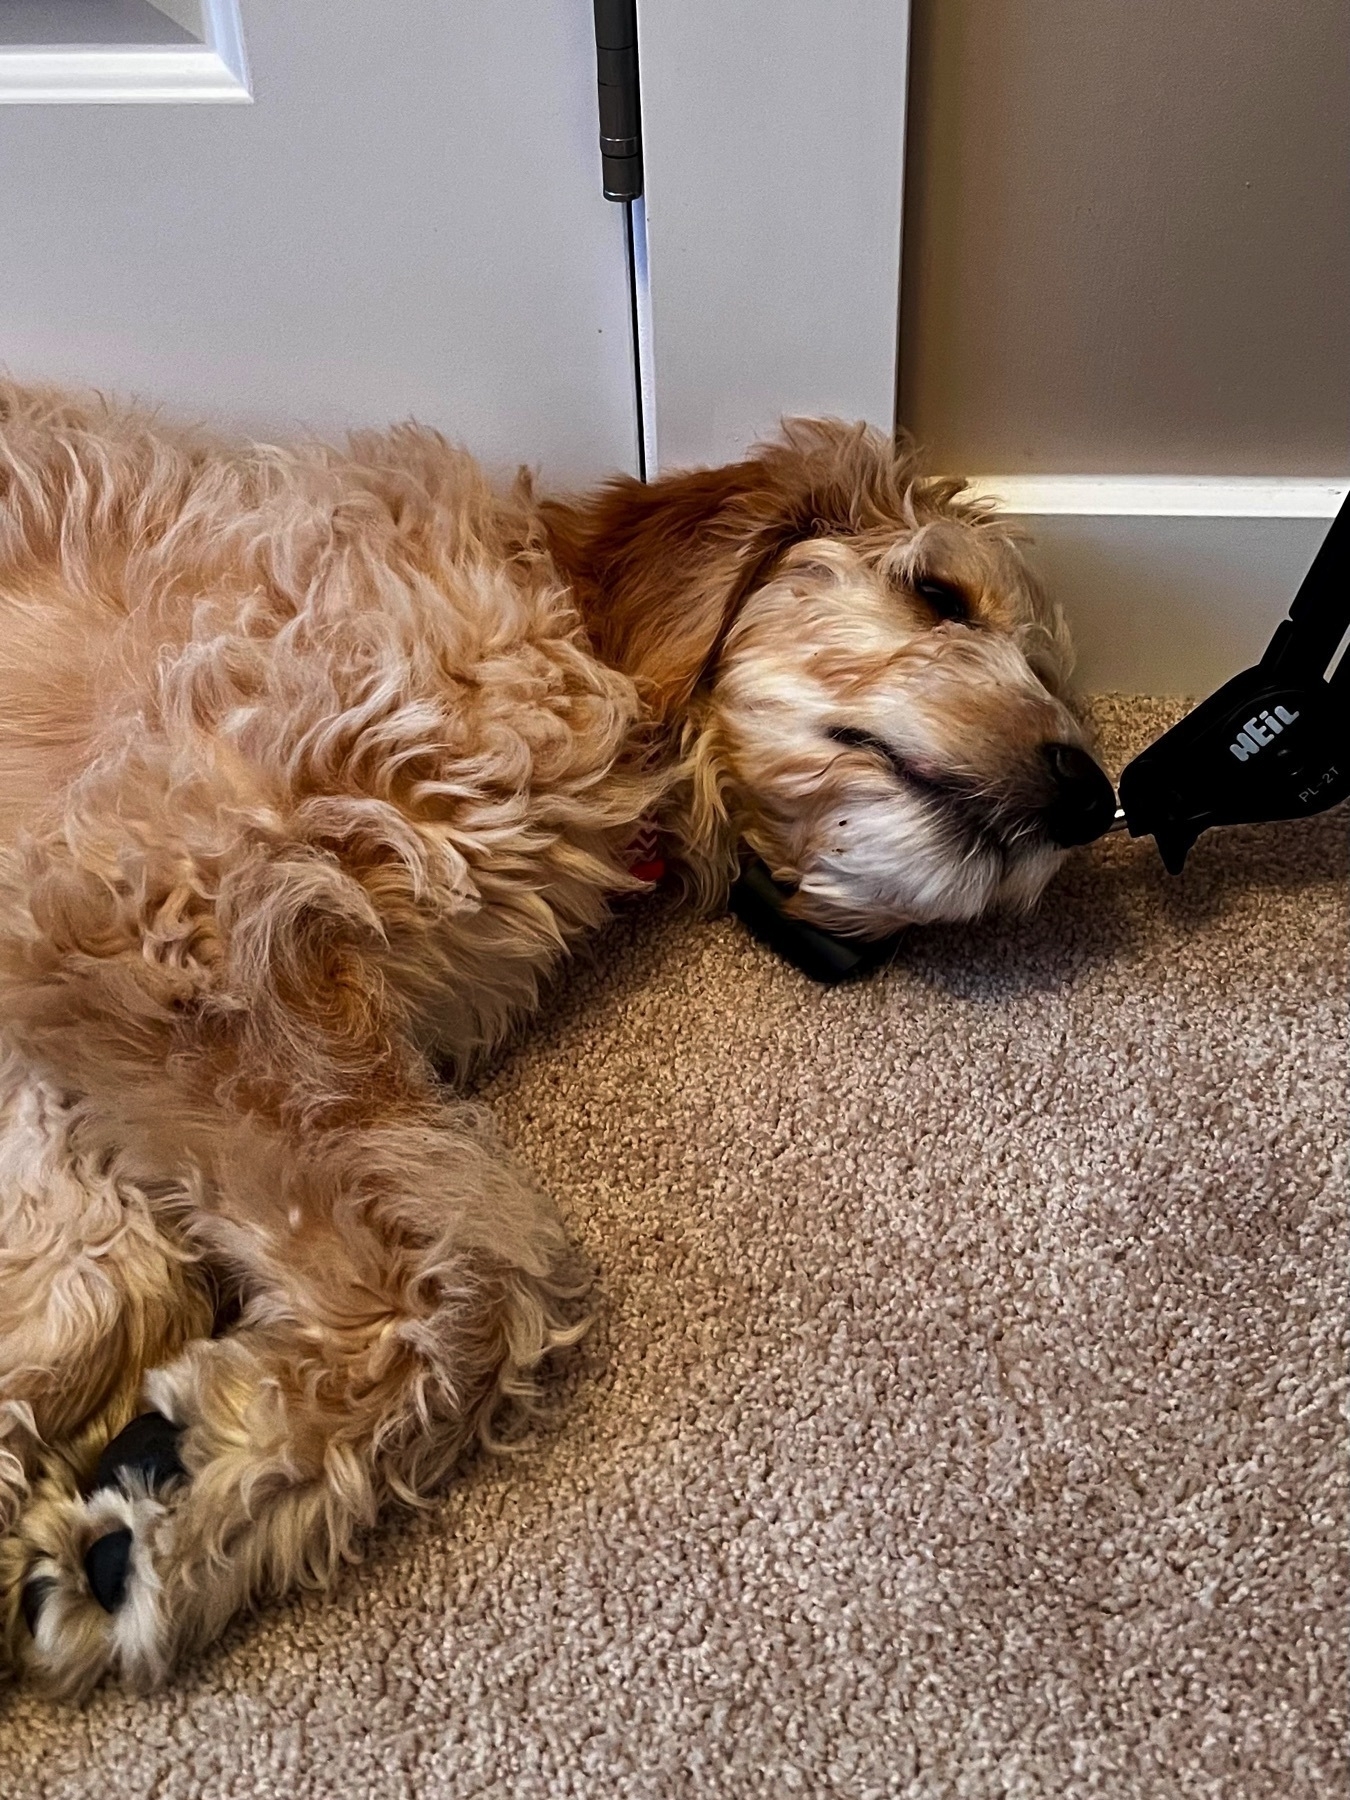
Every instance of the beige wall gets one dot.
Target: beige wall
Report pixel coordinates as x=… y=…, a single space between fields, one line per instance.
x=1127 y=240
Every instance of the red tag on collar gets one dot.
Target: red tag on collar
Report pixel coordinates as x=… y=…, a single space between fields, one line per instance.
x=645 y=861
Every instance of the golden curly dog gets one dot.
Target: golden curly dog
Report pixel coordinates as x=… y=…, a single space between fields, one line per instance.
x=313 y=763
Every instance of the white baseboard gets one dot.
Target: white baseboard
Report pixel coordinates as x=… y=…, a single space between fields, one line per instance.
x=1170 y=584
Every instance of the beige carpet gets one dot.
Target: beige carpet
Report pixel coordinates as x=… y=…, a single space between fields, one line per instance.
x=965 y=1418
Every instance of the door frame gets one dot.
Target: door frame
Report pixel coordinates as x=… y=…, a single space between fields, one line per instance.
x=774 y=145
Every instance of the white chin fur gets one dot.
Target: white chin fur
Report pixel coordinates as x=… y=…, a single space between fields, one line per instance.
x=900 y=870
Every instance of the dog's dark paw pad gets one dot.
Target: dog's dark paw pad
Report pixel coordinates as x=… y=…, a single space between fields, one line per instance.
x=33 y=1599
x=148 y=1447
x=107 y=1563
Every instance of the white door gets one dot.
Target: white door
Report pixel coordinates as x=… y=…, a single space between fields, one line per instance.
x=407 y=220
x=774 y=142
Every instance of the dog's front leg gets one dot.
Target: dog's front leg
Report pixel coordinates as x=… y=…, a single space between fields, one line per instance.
x=402 y=1280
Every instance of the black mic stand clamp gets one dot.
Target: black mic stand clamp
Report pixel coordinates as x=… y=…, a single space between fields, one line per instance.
x=1272 y=743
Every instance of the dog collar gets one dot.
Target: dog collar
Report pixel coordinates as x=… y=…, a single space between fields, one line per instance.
x=643 y=855
x=758 y=901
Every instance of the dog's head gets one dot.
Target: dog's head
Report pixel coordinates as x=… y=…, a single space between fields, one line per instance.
x=869 y=682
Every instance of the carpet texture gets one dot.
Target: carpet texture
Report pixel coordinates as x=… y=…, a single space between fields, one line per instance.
x=964 y=1417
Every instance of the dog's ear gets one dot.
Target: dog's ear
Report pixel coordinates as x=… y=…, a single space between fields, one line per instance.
x=661 y=569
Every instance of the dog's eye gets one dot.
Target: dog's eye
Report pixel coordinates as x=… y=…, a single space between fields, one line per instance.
x=947 y=602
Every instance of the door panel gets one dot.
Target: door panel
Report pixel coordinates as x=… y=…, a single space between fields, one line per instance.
x=408 y=220
x=774 y=145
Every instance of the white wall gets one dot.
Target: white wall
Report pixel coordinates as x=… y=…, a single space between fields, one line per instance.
x=1128 y=241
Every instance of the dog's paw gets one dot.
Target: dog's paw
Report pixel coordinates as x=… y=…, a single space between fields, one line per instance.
x=85 y=1596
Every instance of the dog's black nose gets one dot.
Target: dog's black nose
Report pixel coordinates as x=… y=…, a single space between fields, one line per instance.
x=1083 y=802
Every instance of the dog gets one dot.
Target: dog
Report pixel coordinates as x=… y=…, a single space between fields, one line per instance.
x=313 y=765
